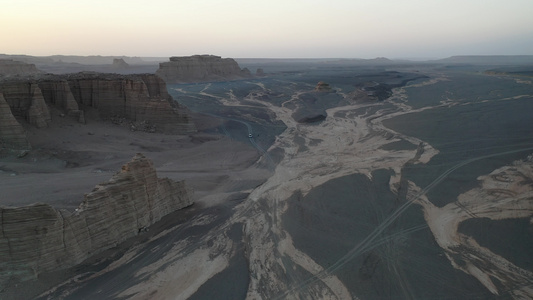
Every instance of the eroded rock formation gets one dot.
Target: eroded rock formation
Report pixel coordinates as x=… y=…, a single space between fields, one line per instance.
x=12 y=135
x=38 y=238
x=198 y=68
x=137 y=99
x=27 y=101
x=119 y=63
x=322 y=87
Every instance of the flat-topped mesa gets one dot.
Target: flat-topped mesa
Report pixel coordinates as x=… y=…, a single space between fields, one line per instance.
x=201 y=68
x=119 y=63
x=9 y=67
x=37 y=238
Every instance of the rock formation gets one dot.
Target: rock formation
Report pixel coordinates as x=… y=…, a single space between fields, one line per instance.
x=136 y=98
x=199 y=68
x=10 y=67
x=322 y=87
x=36 y=239
x=27 y=101
x=139 y=99
x=12 y=135
x=57 y=93
x=119 y=63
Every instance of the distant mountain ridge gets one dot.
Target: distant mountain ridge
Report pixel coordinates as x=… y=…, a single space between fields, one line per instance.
x=138 y=60
x=84 y=60
x=488 y=59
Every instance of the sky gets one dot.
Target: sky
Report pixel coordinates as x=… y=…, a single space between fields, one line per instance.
x=268 y=29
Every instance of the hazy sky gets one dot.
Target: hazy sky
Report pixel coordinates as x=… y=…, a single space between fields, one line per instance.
x=261 y=28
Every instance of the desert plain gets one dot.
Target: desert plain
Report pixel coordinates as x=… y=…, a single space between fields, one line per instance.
x=387 y=181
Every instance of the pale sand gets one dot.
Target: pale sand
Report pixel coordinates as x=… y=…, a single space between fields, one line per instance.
x=506 y=193
x=345 y=148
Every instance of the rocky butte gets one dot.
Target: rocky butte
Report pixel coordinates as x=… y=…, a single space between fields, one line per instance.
x=36 y=239
x=322 y=87
x=201 y=68
x=119 y=63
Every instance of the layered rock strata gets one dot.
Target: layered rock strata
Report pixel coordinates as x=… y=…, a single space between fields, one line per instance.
x=38 y=238
x=27 y=101
x=12 y=134
x=137 y=99
x=199 y=68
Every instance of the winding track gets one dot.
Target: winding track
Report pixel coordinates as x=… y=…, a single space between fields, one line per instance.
x=370 y=241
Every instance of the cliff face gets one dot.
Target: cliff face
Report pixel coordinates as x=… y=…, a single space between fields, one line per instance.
x=134 y=98
x=26 y=100
x=12 y=135
x=37 y=238
x=137 y=98
x=57 y=92
x=200 y=68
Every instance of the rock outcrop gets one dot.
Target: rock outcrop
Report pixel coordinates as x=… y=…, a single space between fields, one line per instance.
x=322 y=87
x=200 y=68
x=119 y=63
x=57 y=93
x=137 y=99
x=10 y=67
x=12 y=134
x=38 y=238
x=27 y=101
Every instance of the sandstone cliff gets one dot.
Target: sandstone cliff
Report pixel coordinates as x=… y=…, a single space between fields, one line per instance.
x=12 y=135
x=199 y=68
x=37 y=238
x=138 y=99
x=27 y=101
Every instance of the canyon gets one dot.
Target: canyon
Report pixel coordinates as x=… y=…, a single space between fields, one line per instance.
x=316 y=181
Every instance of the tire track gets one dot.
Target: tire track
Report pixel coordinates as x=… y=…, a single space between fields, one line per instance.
x=371 y=240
